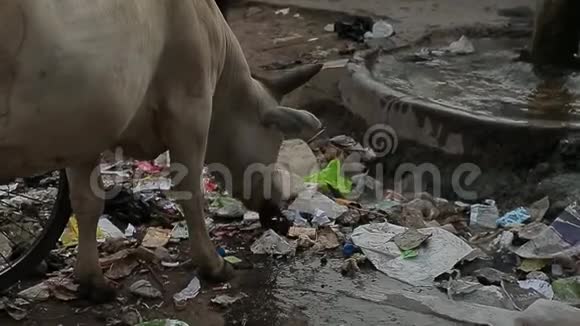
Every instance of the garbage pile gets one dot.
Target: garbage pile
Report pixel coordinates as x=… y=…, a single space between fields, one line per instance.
x=473 y=252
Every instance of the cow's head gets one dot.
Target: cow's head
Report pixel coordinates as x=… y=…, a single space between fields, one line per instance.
x=245 y=138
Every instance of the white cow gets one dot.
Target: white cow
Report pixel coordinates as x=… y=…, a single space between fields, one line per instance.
x=78 y=77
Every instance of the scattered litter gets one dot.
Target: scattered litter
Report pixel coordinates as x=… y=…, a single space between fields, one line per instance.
x=130 y=231
x=152 y=184
x=350 y=266
x=232 y=260
x=484 y=215
x=122 y=268
x=179 y=231
x=38 y=292
x=539 y=286
x=270 y=243
x=491 y=276
x=70 y=235
x=410 y=239
x=561 y=238
x=461 y=46
x=567 y=289
x=109 y=230
x=297 y=231
x=331 y=177
x=163 y=322
x=353 y=28
x=327 y=238
x=283 y=12
x=225 y=300
x=521 y=298
x=309 y=200
x=517 y=216
x=63 y=289
x=227 y=207
x=147 y=167
x=531 y=265
x=189 y=292
x=156 y=237
x=320 y=218
x=441 y=253
x=537 y=275
x=532 y=230
x=145 y=289
x=408 y=254
x=5 y=248
x=381 y=29
x=251 y=217
x=329 y=28
x=297 y=16
x=349 y=249
x=295 y=217
x=538 y=209
x=304 y=242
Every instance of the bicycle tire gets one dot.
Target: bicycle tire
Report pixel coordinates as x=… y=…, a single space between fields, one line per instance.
x=45 y=242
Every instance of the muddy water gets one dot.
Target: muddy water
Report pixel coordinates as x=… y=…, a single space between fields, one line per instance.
x=308 y=291
x=487 y=82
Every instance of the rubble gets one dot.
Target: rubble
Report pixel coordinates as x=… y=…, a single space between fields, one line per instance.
x=145 y=289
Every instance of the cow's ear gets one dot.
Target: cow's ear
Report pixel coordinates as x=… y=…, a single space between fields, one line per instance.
x=291 y=121
x=289 y=81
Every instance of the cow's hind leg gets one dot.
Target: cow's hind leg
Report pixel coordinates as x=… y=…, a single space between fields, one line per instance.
x=88 y=206
x=187 y=137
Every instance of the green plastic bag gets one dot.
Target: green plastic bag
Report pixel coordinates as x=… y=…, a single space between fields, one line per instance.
x=408 y=254
x=331 y=176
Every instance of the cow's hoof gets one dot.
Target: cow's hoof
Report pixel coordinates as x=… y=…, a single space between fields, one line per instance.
x=225 y=274
x=96 y=293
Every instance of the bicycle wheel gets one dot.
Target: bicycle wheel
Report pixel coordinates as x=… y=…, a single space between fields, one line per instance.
x=33 y=214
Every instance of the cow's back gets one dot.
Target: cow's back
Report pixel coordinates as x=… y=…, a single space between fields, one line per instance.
x=74 y=74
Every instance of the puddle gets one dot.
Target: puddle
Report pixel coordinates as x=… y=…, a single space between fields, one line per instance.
x=488 y=82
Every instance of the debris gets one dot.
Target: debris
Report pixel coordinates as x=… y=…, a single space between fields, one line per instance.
x=521 y=298
x=227 y=207
x=557 y=270
x=145 y=289
x=156 y=237
x=538 y=209
x=408 y=254
x=567 y=289
x=410 y=239
x=381 y=29
x=539 y=286
x=349 y=249
x=70 y=235
x=537 y=275
x=441 y=253
x=122 y=268
x=532 y=230
x=253 y=11
x=353 y=28
x=5 y=248
x=491 y=276
x=109 y=230
x=548 y=312
x=320 y=218
x=147 y=167
x=284 y=11
x=297 y=231
x=304 y=242
x=327 y=238
x=491 y=296
x=484 y=215
x=152 y=184
x=309 y=200
x=386 y=205
x=232 y=260
x=225 y=300
x=295 y=217
x=296 y=156
x=38 y=292
x=130 y=231
x=562 y=237
x=517 y=216
x=63 y=289
x=251 y=217
x=270 y=243
x=329 y=28
x=331 y=177
x=350 y=266
x=163 y=322
x=189 y=292
x=531 y=265
x=179 y=231
x=503 y=242
x=461 y=46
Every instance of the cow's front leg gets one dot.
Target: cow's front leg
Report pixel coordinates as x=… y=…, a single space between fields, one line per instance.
x=88 y=206
x=188 y=134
